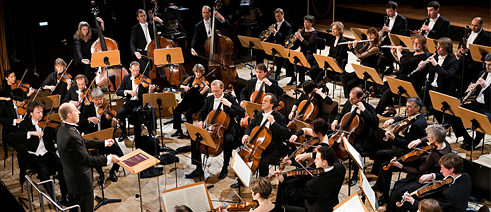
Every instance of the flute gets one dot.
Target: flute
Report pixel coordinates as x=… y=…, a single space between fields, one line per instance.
x=351 y=42
x=395 y=47
x=421 y=66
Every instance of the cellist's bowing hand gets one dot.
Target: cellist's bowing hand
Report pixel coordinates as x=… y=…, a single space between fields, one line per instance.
x=293 y=138
x=244 y=139
x=425 y=178
x=225 y=102
x=270 y=119
x=334 y=125
x=138 y=55
x=396 y=163
x=193 y=52
x=360 y=106
x=302 y=157
x=388 y=122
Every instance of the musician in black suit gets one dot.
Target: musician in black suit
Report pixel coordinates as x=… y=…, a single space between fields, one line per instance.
x=10 y=119
x=435 y=26
x=276 y=123
x=338 y=52
x=9 y=83
x=321 y=192
x=53 y=84
x=394 y=23
x=82 y=42
x=453 y=197
x=74 y=93
x=306 y=39
x=133 y=92
x=202 y=30
x=319 y=98
x=76 y=159
x=254 y=84
x=92 y=121
x=229 y=105
x=39 y=149
x=370 y=122
x=141 y=35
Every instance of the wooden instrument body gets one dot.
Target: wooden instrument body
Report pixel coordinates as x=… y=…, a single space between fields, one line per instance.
x=252 y=151
x=221 y=59
x=115 y=73
x=174 y=74
x=351 y=125
x=411 y=156
x=216 y=123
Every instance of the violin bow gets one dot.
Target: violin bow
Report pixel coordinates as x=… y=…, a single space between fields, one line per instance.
x=306 y=169
x=49 y=114
x=22 y=78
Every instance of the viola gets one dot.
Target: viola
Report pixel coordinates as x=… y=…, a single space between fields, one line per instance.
x=144 y=81
x=260 y=139
x=106 y=109
x=427 y=189
x=18 y=84
x=246 y=206
x=411 y=156
x=399 y=126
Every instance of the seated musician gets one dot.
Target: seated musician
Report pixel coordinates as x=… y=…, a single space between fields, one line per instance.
x=195 y=89
x=230 y=106
x=75 y=92
x=254 y=84
x=453 y=197
x=57 y=83
x=133 y=92
x=91 y=120
x=408 y=63
x=309 y=90
x=435 y=134
x=320 y=129
x=370 y=121
x=414 y=130
x=40 y=151
x=321 y=192
x=368 y=55
x=10 y=119
x=276 y=123
x=307 y=41
x=336 y=51
x=6 y=88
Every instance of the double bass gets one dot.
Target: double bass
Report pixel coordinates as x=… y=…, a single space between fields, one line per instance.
x=220 y=49
x=163 y=75
x=115 y=73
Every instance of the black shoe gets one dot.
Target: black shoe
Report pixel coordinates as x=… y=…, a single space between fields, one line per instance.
x=383 y=200
x=237 y=184
x=177 y=133
x=100 y=180
x=196 y=173
x=64 y=201
x=183 y=136
x=223 y=174
x=292 y=81
x=112 y=176
x=389 y=113
x=446 y=126
x=353 y=181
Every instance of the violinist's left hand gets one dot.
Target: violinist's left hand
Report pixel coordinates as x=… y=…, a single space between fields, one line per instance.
x=390 y=135
x=360 y=106
x=31 y=91
x=226 y=102
x=396 y=163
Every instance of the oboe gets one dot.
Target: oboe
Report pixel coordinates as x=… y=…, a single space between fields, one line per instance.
x=421 y=66
x=474 y=86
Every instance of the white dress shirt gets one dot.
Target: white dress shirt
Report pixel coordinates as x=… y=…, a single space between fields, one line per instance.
x=472 y=37
x=440 y=62
x=258 y=85
x=432 y=23
x=216 y=102
x=392 y=20
x=265 y=115
x=146 y=32
x=207 y=27
x=41 y=150
x=480 y=96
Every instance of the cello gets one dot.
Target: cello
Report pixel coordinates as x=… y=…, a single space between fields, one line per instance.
x=103 y=76
x=172 y=74
x=256 y=97
x=220 y=49
x=259 y=141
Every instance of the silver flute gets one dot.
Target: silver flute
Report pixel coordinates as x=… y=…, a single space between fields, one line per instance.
x=395 y=47
x=351 y=42
x=421 y=66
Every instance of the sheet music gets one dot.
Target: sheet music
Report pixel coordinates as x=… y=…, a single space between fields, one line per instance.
x=352 y=151
x=195 y=197
x=368 y=191
x=352 y=203
x=241 y=169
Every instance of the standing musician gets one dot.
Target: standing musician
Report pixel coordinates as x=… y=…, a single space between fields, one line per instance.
x=321 y=192
x=133 y=89
x=82 y=41
x=306 y=38
x=435 y=26
x=367 y=113
x=202 y=30
x=318 y=97
x=142 y=35
x=57 y=83
x=39 y=149
x=195 y=89
x=10 y=119
x=414 y=130
x=254 y=84
x=435 y=134
x=74 y=93
x=276 y=123
x=9 y=83
x=233 y=110
x=394 y=23
x=76 y=159
x=453 y=197
x=92 y=120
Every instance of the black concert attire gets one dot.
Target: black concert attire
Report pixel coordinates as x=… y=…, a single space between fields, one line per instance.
x=128 y=110
x=201 y=34
x=368 y=54
x=77 y=163
x=81 y=50
x=8 y=114
x=60 y=89
x=318 y=193
x=318 y=101
x=40 y=154
x=397 y=25
x=140 y=37
x=254 y=85
x=408 y=63
x=87 y=127
x=440 y=29
x=229 y=136
x=5 y=89
x=283 y=30
x=467 y=65
x=339 y=52
x=429 y=164
x=277 y=147
x=192 y=101
x=308 y=47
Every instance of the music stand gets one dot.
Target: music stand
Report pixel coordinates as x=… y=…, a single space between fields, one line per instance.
x=400 y=40
x=52 y=101
x=478 y=51
x=401 y=88
x=444 y=103
x=431 y=44
x=359 y=33
x=251 y=108
x=326 y=62
x=163 y=101
x=367 y=74
x=250 y=43
x=296 y=125
x=202 y=136
x=168 y=56
x=475 y=121
x=104 y=59
x=274 y=49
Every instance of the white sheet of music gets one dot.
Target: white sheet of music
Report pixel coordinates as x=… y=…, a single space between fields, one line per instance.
x=241 y=169
x=195 y=197
x=368 y=191
x=352 y=203
x=354 y=154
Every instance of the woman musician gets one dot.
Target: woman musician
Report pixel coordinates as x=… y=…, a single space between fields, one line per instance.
x=306 y=38
x=10 y=84
x=58 y=82
x=82 y=41
x=195 y=89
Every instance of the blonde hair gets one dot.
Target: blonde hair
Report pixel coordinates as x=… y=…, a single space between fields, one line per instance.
x=199 y=68
x=78 y=33
x=218 y=82
x=339 y=27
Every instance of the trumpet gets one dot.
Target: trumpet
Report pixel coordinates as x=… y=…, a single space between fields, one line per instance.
x=351 y=42
x=421 y=66
x=266 y=33
x=471 y=89
x=290 y=40
x=395 y=47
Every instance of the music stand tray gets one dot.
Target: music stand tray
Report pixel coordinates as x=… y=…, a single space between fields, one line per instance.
x=97 y=58
x=480 y=121
x=99 y=135
x=358 y=33
x=248 y=42
x=362 y=71
x=167 y=56
x=330 y=62
x=478 y=51
x=278 y=49
x=168 y=101
x=400 y=40
x=445 y=103
x=50 y=101
x=251 y=108
x=397 y=85
x=301 y=58
x=204 y=137
x=137 y=161
x=431 y=44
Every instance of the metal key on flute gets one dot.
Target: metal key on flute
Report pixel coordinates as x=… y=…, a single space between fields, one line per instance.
x=395 y=47
x=351 y=42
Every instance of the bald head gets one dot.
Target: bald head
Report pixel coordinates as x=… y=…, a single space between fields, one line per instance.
x=476 y=24
x=69 y=113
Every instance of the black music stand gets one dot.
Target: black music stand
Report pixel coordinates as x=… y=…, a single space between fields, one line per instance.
x=297 y=58
x=168 y=56
x=328 y=63
x=401 y=88
x=203 y=137
x=274 y=50
x=367 y=74
x=444 y=103
x=250 y=43
x=105 y=59
x=475 y=121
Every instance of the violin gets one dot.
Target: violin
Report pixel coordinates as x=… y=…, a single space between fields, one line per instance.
x=64 y=77
x=105 y=109
x=260 y=139
x=18 y=84
x=200 y=82
x=411 y=156
x=427 y=189
x=85 y=97
x=22 y=110
x=246 y=206
x=48 y=121
x=304 y=172
x=144 y=81
x=399 y=126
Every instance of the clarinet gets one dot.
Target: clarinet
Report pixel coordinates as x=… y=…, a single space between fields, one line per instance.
x=421 y=66
x=427 y=21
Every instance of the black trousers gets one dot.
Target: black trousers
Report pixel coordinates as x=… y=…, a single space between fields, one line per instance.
x=189 y=105
x=409 y=184
x=45 y=166
x=289 y=191
x=350 y=80
x=115 y=150
x=85 y=200
x=228 y=143
x=268 y=157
